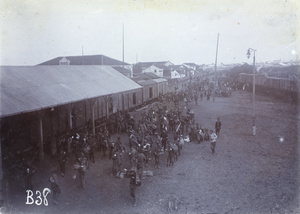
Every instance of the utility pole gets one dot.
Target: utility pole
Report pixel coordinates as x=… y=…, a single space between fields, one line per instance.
x=123 y=43
x=253 y=92
x=216 y=60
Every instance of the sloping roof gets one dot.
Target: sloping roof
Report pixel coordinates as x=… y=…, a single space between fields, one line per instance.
x=148 y=64
x=162 y=67
x=140 y=66
x=31 y=88
x=122 y=70
x=160 y=80
x=146 y=82
x=145 y=76
x=190 y=64
x=151 y=75
x=85 y=60
x=175 y=67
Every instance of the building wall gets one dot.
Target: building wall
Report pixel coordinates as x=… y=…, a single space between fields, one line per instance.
x=155 y=70
x=168 y=64
x=174 y=75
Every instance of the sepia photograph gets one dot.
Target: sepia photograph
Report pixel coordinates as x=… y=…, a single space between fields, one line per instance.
x=149 y=107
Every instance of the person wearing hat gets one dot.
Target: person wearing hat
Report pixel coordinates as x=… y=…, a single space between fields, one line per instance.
x=55 y=187
x=28 y=177
x=133 y=157
x=83 y=162
x=119 y=144
x=133 y=141
x=170 y=158
x=213 y=141
x=133 y=183
x=156 y=151
x=141 y=159
x=62 y=160
x=111 y=147
x=218 y=127
x=164 y=139
x=131 y=122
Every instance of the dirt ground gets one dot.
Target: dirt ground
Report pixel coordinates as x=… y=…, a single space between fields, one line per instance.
x=247 y=174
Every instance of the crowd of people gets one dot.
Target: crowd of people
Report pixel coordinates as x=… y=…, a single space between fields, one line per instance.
x=159 y=130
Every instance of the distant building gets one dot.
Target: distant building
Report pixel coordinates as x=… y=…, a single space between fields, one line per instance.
x=90 y=60
x=173 y=72
x=157 y=70
x=145 y=76
x=153 y=67
x=124 y=71
x=64 y=61
x=192 y=66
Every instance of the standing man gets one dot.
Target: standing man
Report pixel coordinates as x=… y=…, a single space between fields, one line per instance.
x=157 y=146
x=218 y=127
x=141 y=159
x=28 y=177
x=62 y=159
x=170 y=160
x=134 y=182
x=119 y=145
x=164 y=139
x=213 y=141
x=56 y=191
x=82 y=161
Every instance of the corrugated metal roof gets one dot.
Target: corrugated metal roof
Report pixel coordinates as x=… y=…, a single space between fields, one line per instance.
x=31 y=88
x=85 y=60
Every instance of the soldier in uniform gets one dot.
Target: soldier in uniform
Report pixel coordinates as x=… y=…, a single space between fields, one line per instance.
x=116 y=169
x=179 y=143
x=62 y=159
x=111 y=147
x=133 y=157
x=218 y=127
x=146 y=150
x=170 y=158
x=82 y=161
x=213 y=141
x=119 y=145
x=131 y=122
x=55 y=187
x=157 y=150
x=28 y=177
x=164 y=139
x=91 y=148
x=103 y=138
x=141 y=159
x=134 y=182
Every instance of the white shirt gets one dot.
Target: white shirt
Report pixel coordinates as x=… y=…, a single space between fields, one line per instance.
x=213 y=137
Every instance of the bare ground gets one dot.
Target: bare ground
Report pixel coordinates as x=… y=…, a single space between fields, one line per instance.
x=247 y=174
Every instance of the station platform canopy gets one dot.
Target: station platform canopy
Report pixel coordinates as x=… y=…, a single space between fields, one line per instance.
x=32 y=88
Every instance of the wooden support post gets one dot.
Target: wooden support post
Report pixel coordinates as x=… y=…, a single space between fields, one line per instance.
x=69 y=112
x=92 y=104
x=107 y=106
x=128 y=101
x=41 y=137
